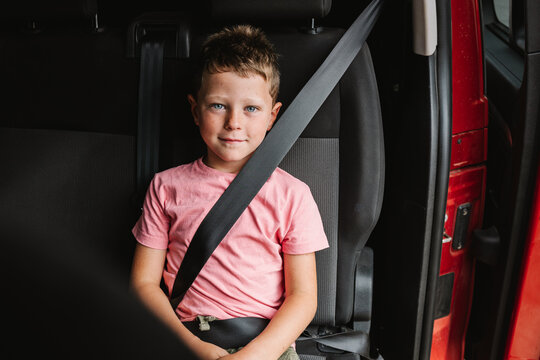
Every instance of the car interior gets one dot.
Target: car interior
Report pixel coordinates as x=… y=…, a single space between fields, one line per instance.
x=72 y=145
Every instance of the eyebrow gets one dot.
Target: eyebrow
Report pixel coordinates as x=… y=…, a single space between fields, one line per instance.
x=249 y=100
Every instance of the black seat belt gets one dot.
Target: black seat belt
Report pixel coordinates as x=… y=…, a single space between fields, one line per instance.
x=151 y=32
x=271 y=152
x=149 y=114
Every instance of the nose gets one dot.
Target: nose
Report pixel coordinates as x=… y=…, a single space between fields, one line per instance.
x=233 y=120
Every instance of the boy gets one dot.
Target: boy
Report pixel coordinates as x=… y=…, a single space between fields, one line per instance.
x=265 y=266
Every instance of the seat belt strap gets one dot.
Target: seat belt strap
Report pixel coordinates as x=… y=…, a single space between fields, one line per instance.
x=149 y=114
x=271 y=152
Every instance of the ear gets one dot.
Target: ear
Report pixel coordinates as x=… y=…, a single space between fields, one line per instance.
x=193 y=106
x=274 y=114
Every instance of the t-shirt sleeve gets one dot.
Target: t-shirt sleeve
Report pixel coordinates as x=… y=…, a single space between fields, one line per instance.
x=152 y=228
x=305 y=232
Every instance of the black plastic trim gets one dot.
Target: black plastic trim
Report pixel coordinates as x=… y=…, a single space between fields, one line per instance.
x=445 y=287
x=363 y=290
x=463 y=219
x=171 y=28
x=442 y=91
x=486 y=244
x=525 y=155
x=532 y=9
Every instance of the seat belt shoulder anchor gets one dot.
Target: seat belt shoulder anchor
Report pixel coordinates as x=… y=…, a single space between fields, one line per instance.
x=171 y=28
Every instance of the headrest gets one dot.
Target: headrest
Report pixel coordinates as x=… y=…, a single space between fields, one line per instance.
x=49 y=9
x=270 y=9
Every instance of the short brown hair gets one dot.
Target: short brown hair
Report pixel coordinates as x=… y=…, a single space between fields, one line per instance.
x=243 y=49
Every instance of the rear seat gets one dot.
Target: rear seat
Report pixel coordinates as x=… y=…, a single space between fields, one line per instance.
x=68 y=123
x=67 y=151
x=68 y=139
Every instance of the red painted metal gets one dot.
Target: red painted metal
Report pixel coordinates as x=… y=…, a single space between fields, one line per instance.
x=466 y=186
x=469 y=101
x=468 y=148
x=468 y=173
x=524 y=334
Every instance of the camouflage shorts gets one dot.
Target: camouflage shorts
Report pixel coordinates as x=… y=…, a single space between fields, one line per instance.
x=289 y=354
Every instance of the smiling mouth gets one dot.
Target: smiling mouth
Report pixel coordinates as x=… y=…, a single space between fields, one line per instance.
x=231 y=141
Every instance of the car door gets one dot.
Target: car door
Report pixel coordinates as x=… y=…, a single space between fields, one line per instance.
x=500 y=325
x=485 y=305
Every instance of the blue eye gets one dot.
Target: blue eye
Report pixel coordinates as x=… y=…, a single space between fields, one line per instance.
x=251 y=108
x=217 y=106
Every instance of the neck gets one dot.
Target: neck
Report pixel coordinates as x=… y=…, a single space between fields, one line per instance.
x=224 y=166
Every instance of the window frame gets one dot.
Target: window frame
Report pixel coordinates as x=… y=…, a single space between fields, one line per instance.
x=514 y=34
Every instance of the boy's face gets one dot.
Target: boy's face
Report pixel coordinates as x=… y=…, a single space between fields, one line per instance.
x=233 y=114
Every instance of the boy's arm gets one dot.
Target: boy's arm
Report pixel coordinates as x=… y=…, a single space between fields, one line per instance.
x=146 y=275
x=293 y=316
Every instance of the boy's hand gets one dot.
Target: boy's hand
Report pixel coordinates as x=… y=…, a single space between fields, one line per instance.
x=207 y=351
x=236 y=356
x=243 y=354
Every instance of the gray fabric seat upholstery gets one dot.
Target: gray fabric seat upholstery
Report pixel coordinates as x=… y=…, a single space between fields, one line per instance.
x=67 y=149
x=340 y=155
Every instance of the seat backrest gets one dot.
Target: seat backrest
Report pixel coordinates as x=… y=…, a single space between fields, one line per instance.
x=340 y=155
x=67 y=150
x=67 y=127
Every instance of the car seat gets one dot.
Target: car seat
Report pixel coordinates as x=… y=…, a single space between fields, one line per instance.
x=340 y=155
x=67 y=138
x=67 y=149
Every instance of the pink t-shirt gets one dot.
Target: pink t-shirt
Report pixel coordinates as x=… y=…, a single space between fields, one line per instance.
x=244 y=275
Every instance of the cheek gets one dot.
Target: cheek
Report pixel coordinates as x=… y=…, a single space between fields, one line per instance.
x=269 y=122
x=260 y=129
x=208 y=122
x=206 y=129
